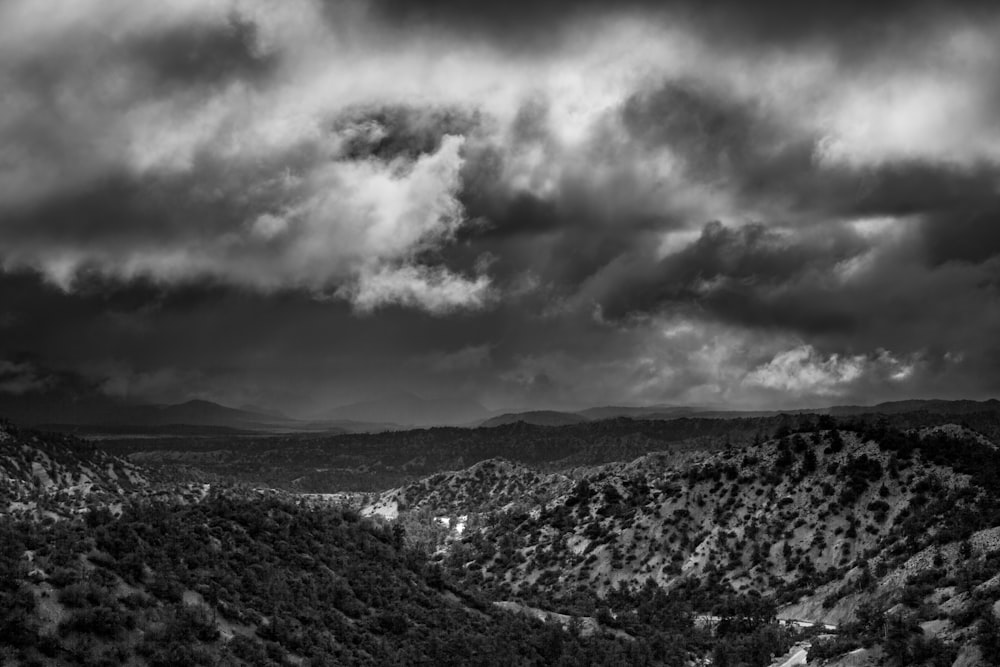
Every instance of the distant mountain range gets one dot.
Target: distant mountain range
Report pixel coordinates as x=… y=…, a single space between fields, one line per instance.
x=92 y=412
x=406 y=409
x=930 y=405
x=559 y=418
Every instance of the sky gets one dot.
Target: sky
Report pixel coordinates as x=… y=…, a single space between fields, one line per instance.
x=549 y=204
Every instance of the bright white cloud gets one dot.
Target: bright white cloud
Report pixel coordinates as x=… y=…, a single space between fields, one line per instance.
x=435 y=289
x=803 y=370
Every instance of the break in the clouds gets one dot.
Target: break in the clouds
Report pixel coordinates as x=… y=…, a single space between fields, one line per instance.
x=561 y=203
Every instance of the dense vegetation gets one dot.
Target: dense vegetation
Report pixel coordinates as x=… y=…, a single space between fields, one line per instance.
x=832 y=512
x=261 y=582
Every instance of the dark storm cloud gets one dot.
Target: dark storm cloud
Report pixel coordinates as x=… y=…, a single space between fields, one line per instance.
x=725 y=140
x=204 y=55
x=722 y=137
x=122 y=209
x=21 y=376
x=758 y=277
x=711 y=130
x=406 y=194
x=538 y=23
x=741 y=275
x=149 y=342
x=969 y=233
x=813 y=275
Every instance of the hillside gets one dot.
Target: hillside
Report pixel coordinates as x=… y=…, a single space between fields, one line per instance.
x=875 y=538
x=105 y=562
x=487 y=486
x=265 y=582
x=734 y=511
x=830 y=523
x=153 y=575
x=53 y=473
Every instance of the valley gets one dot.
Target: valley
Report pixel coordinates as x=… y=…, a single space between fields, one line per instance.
x=776 y=540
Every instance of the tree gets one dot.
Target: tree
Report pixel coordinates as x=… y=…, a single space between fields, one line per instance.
x=809 y=461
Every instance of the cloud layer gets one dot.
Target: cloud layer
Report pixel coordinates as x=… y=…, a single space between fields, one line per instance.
x=652 y=202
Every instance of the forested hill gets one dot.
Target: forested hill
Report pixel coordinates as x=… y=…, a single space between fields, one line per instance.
x=268 y=582
x=860 y=528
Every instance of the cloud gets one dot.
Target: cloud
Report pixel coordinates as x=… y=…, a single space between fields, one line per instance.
x=804 y=371
x=437 y=291
x=801 y=369
x=752 y=274
x=345 y=227
x=22 y=377
x=160 y=385
x=156 y=157
x=468 y=358
x=558 y=182
x=536 y=24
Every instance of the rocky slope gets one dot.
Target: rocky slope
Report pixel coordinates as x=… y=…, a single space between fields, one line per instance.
x=68 y=473
x=491 y=485
x=58 y=476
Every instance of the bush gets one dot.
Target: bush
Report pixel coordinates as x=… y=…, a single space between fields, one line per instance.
x=175 y=654
x=64 y=576
x=102 y=621
x=832 y=647
x=83 y=594
x=193 y=621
